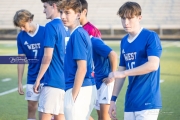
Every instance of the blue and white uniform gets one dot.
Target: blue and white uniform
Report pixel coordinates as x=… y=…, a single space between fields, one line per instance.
x=79 y=48
x=102 y=68
x=143 y=91
x=101 y=60
x=52 y=95
x=32 y=45
x=55 y=34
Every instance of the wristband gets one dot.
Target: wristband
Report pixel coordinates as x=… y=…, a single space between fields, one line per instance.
x=113 y=98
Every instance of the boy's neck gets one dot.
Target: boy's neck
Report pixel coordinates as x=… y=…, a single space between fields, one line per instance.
x=71 y=28
x=33 y=28
x=56 y=15
x=135 y=32
x=84 y=21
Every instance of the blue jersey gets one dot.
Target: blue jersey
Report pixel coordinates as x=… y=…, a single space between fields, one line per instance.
x=55 y=34
x=78 y=48
x=143 y=91
x=101 y=60
x=32 y=47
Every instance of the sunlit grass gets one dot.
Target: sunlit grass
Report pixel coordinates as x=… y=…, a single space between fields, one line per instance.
x=14 y=107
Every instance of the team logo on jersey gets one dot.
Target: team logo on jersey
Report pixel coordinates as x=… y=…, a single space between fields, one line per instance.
x=123 y=51
x=25 y=43
x=34 y=46
x=104 y=98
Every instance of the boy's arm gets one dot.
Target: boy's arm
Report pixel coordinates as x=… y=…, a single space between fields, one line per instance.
x=47 y=57
x=113 y=60
x=116 y=90
x=118 y=83
x=113 y=63
x=151 y=65
x=20 y=68
x=79 y=77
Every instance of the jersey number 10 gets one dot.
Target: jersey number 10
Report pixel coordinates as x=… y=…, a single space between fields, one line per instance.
x=131 y=65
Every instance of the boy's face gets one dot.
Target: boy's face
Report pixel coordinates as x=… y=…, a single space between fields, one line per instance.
x=48 y=10
x=130 y=24
x=70 y=18
x=25 y=27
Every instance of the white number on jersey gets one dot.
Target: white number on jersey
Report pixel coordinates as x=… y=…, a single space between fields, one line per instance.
x=131 y=65
x=35 y=53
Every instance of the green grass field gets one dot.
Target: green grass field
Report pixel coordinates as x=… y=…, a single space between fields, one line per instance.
x=14 y=107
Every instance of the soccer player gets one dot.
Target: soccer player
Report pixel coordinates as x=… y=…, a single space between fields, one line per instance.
x=30 y=44
x=81 y=91
x=105 y=61
x=90 y=28
x=51 y=100
x=139 y=60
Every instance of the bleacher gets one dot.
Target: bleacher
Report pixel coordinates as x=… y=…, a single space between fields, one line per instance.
x=158 y=15
x=163 y=16
x=9 y=7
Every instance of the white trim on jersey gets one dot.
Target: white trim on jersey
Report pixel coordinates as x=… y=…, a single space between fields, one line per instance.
x=32 y=35
x=75 y=29
x=130 y=41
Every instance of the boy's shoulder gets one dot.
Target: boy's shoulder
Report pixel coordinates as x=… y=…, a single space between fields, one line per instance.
x=54 y=22
x=79 y=30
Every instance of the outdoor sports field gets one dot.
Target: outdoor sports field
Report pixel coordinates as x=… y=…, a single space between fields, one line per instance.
x=14 y=107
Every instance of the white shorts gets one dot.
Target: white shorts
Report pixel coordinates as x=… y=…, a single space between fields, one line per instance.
x=30 y=95
x=104 y=94
x=51 y=100
x=150 y=114
x=83 y=105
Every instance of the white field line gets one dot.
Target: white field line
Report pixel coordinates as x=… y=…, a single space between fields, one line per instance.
x=161 y=81
x=10 y=91
x=6 y=79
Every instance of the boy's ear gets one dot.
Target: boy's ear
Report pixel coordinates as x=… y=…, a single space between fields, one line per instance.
x=78 y=15
x=30 y=20
x=54 y=5
x=85 y=11
x=140 y=17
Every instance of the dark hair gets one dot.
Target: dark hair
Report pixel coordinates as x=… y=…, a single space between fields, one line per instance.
x=71 y=4
x=51 y=2
x=22 y=16
x=129 y=9
x=84 y=4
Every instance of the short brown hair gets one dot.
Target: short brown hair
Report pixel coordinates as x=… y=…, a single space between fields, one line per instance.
x=129 y=9
x=71 y=4
x=22 y=16
x=50 y=2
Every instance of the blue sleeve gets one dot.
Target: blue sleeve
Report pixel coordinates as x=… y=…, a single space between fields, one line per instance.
x=154 y=47
x=100 y=47
x=19 y=45
x=50 y=36
x=80 y=47
x=122 y=60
